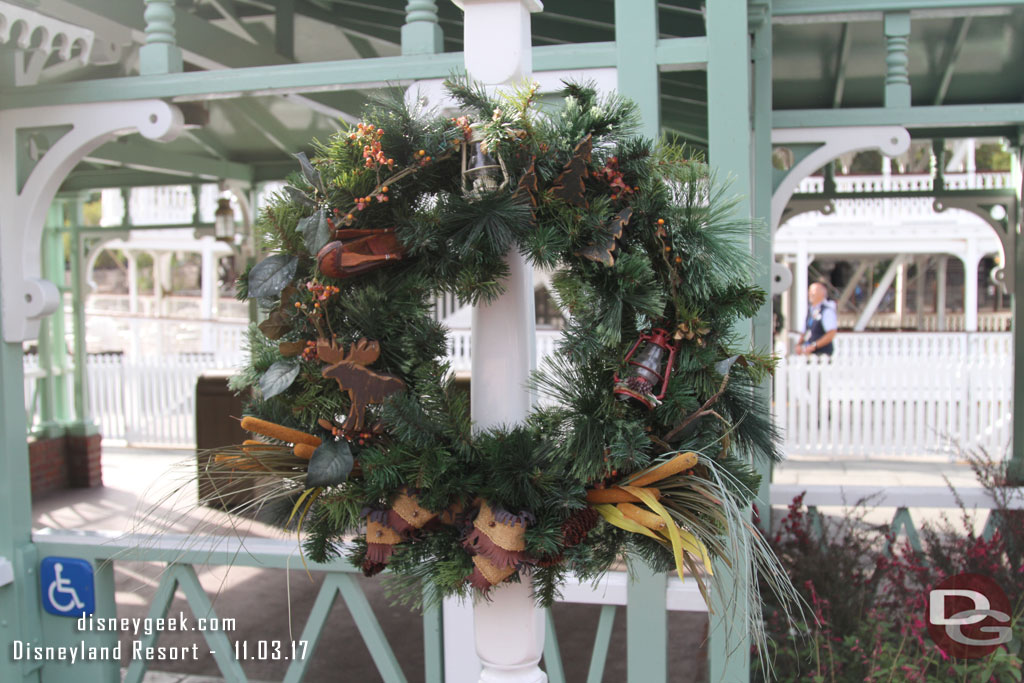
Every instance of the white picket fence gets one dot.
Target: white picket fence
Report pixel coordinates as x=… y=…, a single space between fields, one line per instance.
x=879 y=395
x=460 y=347
x=898 y=394
x=149 y=400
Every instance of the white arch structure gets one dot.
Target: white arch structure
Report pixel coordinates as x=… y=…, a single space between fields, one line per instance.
x=896 y=227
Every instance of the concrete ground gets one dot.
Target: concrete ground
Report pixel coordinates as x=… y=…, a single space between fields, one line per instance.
x=152 y=491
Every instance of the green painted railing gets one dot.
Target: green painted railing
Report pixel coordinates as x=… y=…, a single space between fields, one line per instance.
x=647 y=600
x=902 y=499
x=181 y=554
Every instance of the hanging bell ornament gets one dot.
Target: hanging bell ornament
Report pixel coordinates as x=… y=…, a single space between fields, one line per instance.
x=481 y=173
x=650 y=362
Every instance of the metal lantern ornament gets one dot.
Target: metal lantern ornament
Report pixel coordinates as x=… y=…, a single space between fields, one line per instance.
x=650 y=362
x=224 y=228
x=481 y=173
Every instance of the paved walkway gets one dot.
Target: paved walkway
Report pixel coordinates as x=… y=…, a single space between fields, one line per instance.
x=154 y=491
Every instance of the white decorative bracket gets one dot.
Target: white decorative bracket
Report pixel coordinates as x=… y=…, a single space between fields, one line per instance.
x=833 y=142
x=41 y=145
x=20 y=25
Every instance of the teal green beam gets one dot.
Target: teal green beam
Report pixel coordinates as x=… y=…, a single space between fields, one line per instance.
x=646 y=626
x=284 y=28
x=1015 y=471
x=730 y=141
x=636 y=23
x=83 y=424
x=153 y=157
x=19 y=600
x=949 y=115
x=764 y=254
x=335 y=75
x=789 y=8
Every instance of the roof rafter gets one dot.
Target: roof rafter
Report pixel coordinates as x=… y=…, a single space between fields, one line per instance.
x=146 y=156
x=226 y=8
x=960 y=30
x=844 y=56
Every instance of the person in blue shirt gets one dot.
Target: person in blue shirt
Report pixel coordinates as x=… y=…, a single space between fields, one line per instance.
x=822 y=322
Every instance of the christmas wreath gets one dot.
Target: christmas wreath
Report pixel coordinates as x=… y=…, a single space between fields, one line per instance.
x=642 y=442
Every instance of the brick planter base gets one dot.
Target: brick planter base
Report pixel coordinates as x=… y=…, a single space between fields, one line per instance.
x=64 y=462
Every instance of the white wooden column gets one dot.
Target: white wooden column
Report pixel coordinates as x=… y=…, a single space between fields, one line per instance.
x=970 y=260
x=922 y=278
x=133 y=282
x=508 y=628
x=940 y=293
x=901 y=293
x=208 y=279
x=803 y=262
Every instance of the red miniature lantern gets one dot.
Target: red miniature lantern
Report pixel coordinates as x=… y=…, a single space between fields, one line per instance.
x=649 y=369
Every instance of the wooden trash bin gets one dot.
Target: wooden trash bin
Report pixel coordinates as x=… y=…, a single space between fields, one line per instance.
x=218 y=416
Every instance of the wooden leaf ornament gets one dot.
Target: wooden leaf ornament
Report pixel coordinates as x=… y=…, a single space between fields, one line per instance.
x=601 y=252
x=357 y=251
x=350 y=371
x=569 y=184
x=527 y=186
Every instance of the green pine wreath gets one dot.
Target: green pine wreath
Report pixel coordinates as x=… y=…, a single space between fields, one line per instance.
x=378 y=224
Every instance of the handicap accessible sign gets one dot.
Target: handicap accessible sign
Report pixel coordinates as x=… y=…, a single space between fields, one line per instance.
x=67 y=586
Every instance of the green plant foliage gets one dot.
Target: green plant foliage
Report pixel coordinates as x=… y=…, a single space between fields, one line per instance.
x=677 y=260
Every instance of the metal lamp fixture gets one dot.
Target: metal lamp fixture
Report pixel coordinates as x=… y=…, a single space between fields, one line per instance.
x=224 y=228
x=649 y=369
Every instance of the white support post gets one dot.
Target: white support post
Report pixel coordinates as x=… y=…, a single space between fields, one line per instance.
x=970 y=260
x=158 y=284
x=509 y=629
x=876 y=296
x=940 y=294
x=207 y=279
x=921 y=278
x=901 y=293
x=133 y=282
x=800 y=283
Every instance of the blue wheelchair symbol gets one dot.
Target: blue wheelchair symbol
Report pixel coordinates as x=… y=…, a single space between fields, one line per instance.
x=67 y=586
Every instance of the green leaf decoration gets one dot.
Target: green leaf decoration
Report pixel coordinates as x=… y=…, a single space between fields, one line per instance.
x=276 y=325
x=311 y=174
x=330 y=464
x=316 y=232
x=299 y=197
x=278 y=377
x=268 y=277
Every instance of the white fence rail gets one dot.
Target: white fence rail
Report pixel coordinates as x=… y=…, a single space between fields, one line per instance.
x=460 y=347
x=879 y=395
x=998 y=321
x=148 y=399
x=898 y=395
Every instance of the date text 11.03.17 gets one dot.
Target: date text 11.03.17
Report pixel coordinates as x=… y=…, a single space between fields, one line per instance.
x=264 y=650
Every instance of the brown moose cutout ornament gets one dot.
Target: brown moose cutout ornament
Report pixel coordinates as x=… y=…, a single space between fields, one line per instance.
x=364 y=386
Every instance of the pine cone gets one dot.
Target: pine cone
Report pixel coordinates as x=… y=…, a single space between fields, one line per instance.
x=551 y=560
x=579 y=524
x=371 y=568
x=640 y=385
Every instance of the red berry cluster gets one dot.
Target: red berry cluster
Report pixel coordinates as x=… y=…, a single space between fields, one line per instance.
x=309 y=353
x=372 y=152
x=463 y=123
x=613 y=176
x=320 y=292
